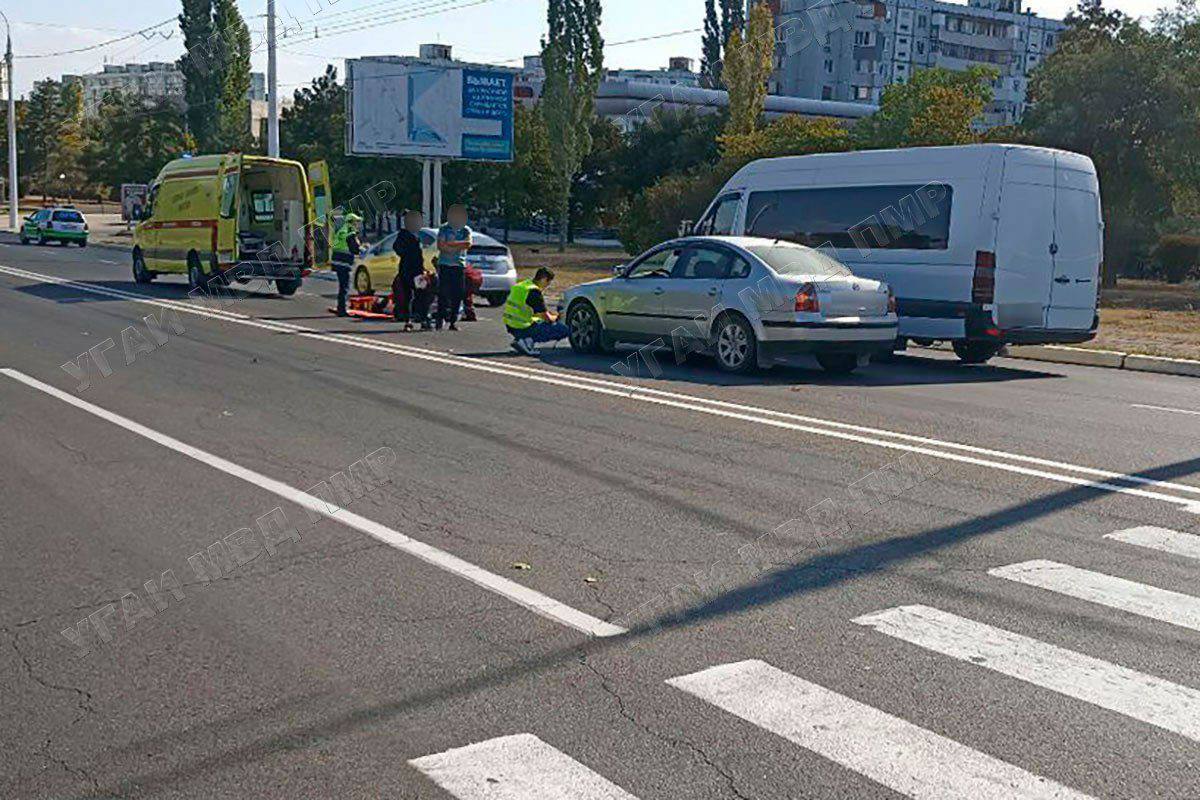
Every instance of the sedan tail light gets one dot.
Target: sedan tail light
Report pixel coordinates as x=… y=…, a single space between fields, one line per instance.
x=806 y=298
x=983 y=284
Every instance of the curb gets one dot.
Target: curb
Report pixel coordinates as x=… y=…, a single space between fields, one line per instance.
x=1108 y=359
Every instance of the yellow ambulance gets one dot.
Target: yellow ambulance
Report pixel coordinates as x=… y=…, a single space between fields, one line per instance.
x=236 y=216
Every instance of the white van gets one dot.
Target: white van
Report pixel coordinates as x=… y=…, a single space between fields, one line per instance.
x=983 y=244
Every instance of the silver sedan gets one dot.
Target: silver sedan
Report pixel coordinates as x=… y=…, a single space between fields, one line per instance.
x=746 y=301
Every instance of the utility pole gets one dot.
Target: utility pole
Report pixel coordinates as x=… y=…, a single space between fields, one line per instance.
x=272 y=86
x=13 y=190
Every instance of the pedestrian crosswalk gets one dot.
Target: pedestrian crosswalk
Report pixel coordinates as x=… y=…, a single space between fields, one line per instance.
x=880 y=747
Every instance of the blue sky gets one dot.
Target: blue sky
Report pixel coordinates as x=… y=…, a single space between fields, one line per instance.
x=489 y=31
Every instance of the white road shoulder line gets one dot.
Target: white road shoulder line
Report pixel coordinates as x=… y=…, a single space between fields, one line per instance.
x=891 y=751
x=1164 y=539
x=1135 y=694
x=520 y=767
x=892 y=440
x=1096 y=587
x=1167 y=408
x=521 y=595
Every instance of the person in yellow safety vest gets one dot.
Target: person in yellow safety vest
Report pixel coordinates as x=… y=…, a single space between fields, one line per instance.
x=527 y=318
x=345 y=247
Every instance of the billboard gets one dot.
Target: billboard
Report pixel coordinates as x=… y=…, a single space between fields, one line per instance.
x=415 y=109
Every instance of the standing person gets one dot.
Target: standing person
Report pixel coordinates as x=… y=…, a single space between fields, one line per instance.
x=526 y=317
x=346 y=247
x=454 y=240
x=412 y=264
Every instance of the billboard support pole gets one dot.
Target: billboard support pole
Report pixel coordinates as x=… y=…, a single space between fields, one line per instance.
x=427 y=190
x=437 y=193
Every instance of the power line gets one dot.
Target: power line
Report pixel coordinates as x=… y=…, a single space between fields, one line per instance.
x=141 y=32
x=388 y=18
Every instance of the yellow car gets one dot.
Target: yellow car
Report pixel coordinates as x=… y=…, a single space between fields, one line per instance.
x=378 y=264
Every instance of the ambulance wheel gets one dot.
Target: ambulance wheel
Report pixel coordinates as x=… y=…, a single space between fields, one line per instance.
x=195 y=273
x=140 y=273
x=362 y=281
x=287 y=288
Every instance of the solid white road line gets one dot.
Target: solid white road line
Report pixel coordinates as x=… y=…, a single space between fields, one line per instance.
x=1167 y=408
x=1135 y=694
x=1165 y=539
x=904 y=757
x=521 y=595
x=1096 y=587
x=520 y=767
x=892 y=440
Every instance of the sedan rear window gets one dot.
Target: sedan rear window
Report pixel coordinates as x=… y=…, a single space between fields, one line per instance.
x=68 y=216
x=791 y=260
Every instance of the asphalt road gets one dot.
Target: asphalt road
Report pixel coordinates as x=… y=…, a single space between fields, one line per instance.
x=529 y=570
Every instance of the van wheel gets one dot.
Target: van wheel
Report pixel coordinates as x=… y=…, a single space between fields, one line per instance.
x=24 y=239
x=362 y=281
x=195 y=272
x=140 y=273
x=838 y=363
x=735 y=345
x=975 y=352
x=287 y=288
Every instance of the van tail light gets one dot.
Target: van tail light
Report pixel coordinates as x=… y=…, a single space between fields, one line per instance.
x=806 y=298
x=983 y=284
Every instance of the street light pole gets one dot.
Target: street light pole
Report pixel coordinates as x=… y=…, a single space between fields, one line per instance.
x=272 y=86
x=13 y=189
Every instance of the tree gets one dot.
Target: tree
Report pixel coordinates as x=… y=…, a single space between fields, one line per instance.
x=936 y=107
x=128 y=141
x=669 y=142
x=733 y=18
x=233 y=57
x=573 y=57
x=749 y=59
x=201 y=85
x=712 y=43
x=657 y=214
x=1123 y=96
x=64 y=160
x=788 y=136
x=596 y=196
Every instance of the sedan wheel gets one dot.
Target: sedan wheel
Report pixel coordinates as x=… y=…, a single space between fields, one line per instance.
x=737 y=349
x=584 y=325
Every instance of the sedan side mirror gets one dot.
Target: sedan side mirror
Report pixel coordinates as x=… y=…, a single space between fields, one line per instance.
x=619 y=270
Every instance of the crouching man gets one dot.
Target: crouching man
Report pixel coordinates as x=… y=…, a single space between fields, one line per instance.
x=527 y=318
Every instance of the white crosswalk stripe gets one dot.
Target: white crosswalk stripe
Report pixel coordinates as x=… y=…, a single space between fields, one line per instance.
x=897 y=754
x=1144 y=697
x=1164 y=539
x=520 y=767
x=1096 y=587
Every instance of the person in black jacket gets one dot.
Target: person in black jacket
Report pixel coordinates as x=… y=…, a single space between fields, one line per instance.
x=412 y=264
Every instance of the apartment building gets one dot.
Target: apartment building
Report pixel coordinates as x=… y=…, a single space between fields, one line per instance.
x=156 y=81
x=849 y=50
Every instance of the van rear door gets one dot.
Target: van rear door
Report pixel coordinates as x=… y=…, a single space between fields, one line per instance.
x=225 y=232
x=321 y=225
x=1076 y=247
x=1024 y=235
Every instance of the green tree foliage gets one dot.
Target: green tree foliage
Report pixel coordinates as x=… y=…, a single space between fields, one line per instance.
x=198 y=65
x=596 y=196
x=733 y=18
x=129 y=142
x=749 y=59
x=789 y=136
x=669 y=142
x=655 y=215
x=936 y=107
x=1126 y=97
x=233 y=48
x=573 y=57
x=53 y=140
x=711 y=45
